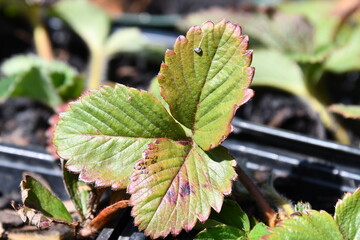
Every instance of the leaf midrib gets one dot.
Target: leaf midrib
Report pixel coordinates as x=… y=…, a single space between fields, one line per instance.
x=207 y=74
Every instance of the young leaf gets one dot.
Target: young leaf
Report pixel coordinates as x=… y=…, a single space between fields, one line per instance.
x=32 y=84
x=214 y=77
x=347 y=111
x=125 y=40
x=57 y=79
x=88 y=20
x=312 y=225
x=105 y=133
x=78 y=191
x=176 y=184
x=275 y=69
x=223 y=232
x=231 y=214
x=346 y=58
x=258 y=231
x=347 y=215
x=34 y=195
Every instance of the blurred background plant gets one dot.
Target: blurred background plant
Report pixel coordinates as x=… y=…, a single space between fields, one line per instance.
x=298 y=46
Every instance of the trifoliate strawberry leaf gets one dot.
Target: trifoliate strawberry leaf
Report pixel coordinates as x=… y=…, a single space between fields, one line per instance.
x=347 y=111
x=36 y=196
x=105 y=132
x=223 y=232
x=312 y=225
x=347 y=215
x=177 y=183
x=206 y=78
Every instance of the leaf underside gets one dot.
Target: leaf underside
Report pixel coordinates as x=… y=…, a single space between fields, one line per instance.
x=176 y=184
x=105 y=133
x=215 y=80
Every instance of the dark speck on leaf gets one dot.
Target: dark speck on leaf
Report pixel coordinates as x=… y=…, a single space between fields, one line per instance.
x=170 y=195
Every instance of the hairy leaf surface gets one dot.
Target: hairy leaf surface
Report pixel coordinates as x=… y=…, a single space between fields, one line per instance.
x=105 y=133
x=176 y=184
x=205 y=87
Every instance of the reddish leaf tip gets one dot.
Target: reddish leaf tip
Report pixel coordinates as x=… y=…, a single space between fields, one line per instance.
x=169 y=52
x=181 y=38
x=207 y=24
x=248 y=94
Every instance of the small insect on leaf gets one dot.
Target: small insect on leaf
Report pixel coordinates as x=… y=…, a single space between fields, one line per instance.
x=198 y=50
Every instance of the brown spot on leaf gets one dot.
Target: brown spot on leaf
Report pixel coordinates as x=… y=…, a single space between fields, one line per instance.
x=185 y=190
x=184 y=143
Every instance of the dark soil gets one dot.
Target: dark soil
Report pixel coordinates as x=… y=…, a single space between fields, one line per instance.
x=279 y=109
x=24 y=122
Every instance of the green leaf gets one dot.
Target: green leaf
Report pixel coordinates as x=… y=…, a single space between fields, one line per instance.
x=34 y=195
x=125 y=40
x=86 y=19
x=258 y=231
x=23 y=63
x=215 y=80
x=347 y=111
x=223 y=232
x=78 y=191
x=231 y=214
x=346 y=58
x=312 y=225
x=105 y=133
x=275 y=69
x=177 y=183
x=32 y=84
x=61 y=79
x=347 y=215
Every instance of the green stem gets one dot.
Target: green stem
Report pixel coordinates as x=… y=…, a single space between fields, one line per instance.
x=269 y=213
x=41 y=38
x=42 y=42
x=96 y=69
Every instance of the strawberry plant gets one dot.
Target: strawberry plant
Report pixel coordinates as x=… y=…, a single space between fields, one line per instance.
x=165 y=150
x=317 y=225
x=171 y=162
